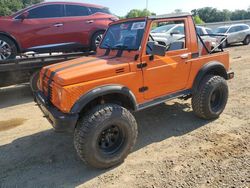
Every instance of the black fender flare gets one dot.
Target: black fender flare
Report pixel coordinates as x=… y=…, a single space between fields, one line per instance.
x=19 y=49
x=213 y=67
x=100 y=91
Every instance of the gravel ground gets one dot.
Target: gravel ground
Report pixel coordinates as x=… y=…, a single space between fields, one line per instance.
x=174 y=148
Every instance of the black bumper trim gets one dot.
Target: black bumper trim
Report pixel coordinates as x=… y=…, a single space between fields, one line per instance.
x=61 y=122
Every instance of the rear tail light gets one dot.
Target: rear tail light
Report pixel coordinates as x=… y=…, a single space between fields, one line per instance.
x=113 y=19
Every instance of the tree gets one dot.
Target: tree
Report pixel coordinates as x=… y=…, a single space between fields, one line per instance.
x=8 y=7
x=240 y=15
x=178 y=11
x=139 y=13
x=198 y=20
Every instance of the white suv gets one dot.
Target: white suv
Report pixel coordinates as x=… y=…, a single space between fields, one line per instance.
x=235 y=33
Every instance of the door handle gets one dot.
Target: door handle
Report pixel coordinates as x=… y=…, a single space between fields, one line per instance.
x=58 y=25
x=90 y=21
x=184 y=56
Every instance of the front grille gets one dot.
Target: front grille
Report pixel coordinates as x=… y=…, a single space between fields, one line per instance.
x=50 y=92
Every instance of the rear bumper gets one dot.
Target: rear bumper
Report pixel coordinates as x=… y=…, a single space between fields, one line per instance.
x=230 y=75
x=61 y=122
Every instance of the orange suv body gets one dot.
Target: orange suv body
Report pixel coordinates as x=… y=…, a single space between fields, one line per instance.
x=131 y=70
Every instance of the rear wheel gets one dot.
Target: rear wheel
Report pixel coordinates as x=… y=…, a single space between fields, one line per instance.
x=96 y=40
x=247 y=40
x=105 y=136
x=8 y=49
x=211 y=98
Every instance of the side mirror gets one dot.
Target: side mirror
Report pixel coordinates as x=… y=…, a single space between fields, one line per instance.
x=175 y=33
x=159 y=50
x=24 y=15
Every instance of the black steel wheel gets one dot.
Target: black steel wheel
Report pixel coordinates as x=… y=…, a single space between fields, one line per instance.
x=104 y=137
x=211 y=98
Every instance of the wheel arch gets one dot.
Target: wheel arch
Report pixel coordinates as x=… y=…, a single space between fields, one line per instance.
x=214 y=68
x=13 y=39
x=106 y=94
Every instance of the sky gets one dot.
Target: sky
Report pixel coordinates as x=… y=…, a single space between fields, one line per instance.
x=122 y=7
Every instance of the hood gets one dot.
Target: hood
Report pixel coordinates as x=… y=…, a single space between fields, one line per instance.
x=160 y=34
x=86 y=69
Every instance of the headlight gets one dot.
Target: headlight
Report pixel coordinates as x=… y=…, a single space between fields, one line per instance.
x=214 y=44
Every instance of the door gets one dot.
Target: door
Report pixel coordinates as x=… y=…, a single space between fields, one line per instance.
x=77 y=24
x=43 y=27
x=233 y=35
x=168 y=74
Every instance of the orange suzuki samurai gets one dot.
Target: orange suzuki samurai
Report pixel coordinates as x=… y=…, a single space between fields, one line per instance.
x=140 y=63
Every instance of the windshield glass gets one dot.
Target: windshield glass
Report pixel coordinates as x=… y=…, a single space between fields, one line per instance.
x=221 y=30
x=163 y=29
x=125 y=36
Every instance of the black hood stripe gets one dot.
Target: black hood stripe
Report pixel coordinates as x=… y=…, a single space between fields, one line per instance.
x=53 y=73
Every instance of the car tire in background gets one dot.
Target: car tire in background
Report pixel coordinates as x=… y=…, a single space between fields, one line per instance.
x=96 y=40
x=247 y=40
x=224 y=44
x=34 y=81
x=8 y=49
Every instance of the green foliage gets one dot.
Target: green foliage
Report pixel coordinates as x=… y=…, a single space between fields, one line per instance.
x=198 y=20
x=209 y=14
x=139 y=13
x=8 y=7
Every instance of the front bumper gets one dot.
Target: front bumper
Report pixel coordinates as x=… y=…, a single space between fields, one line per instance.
x=61 y=122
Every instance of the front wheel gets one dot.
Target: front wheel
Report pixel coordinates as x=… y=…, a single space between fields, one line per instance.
x=105 y=136
x=224 y=44
x=211 y=98
x=8 y=49
x=96 y=40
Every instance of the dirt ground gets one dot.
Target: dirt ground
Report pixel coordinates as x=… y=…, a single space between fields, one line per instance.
x=174 y=148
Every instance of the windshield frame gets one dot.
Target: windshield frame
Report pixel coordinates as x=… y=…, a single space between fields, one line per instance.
x=123 y=22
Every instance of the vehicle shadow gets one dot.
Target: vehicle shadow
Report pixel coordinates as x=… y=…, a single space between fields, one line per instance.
x=48 y=159
x=15 y=95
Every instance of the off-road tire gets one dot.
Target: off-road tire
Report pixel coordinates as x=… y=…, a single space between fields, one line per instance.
x=34 y=81
x=247 y=40
x=93 y=40
x=90 y=129
x=12 y=45
x=203 y=101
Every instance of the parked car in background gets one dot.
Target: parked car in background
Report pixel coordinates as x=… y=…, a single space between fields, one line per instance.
x=234 y=33
x=53 y=27
x=204 y=32
x=166 y=34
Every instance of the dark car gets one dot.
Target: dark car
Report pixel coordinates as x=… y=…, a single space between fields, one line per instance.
x=53 y=27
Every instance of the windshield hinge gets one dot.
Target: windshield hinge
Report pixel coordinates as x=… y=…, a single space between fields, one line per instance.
x=142 y=65
x=143 y=89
